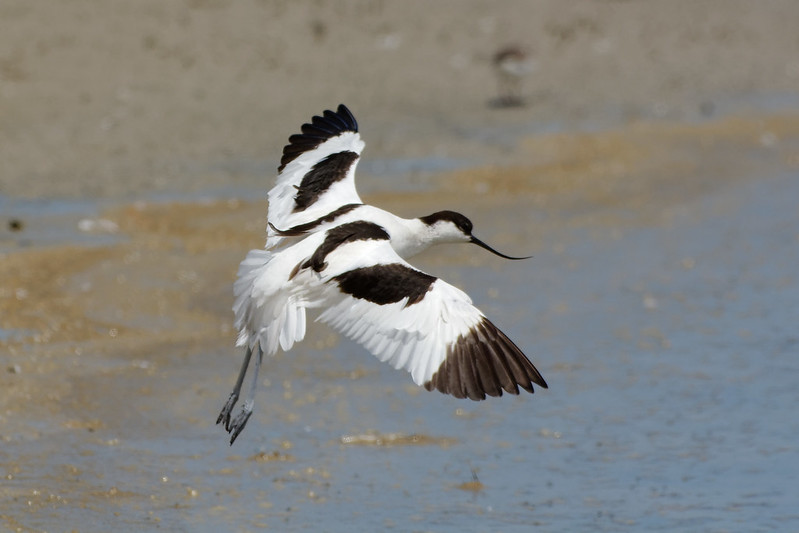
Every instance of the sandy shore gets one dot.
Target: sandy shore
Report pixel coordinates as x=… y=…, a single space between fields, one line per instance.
x=126 y=99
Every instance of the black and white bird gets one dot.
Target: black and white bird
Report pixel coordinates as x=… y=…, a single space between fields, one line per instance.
x=326 y=249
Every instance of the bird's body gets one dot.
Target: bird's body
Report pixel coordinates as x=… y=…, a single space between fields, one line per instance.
x=409 y=236
x=325 y=249
x=512 y=65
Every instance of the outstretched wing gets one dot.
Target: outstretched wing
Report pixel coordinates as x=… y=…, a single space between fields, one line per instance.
x=317 y=172
x=418 y=322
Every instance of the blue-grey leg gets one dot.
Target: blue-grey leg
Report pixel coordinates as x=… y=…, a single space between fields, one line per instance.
x=234 y=396
x=246 y=410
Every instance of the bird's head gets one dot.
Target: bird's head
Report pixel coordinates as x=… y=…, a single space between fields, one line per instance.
x=449 y=226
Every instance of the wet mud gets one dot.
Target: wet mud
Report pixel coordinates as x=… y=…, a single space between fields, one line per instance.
x=659 y=305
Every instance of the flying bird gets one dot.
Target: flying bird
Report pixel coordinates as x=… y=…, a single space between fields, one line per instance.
x=326 y=249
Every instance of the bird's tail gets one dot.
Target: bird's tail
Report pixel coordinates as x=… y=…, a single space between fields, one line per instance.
x=266 y=312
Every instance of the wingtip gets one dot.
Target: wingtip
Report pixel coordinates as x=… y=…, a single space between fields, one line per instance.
x=542 y=383
x=344 y=111
x=321 y=128
x=485 y=362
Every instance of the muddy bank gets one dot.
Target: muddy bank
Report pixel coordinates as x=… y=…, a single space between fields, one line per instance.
x=112 y=99
x=118 y=354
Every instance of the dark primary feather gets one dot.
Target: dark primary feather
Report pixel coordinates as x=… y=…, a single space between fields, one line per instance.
x=484 y=362
x=329 y=125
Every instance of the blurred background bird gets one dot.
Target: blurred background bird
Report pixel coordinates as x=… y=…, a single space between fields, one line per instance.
x=512 y=64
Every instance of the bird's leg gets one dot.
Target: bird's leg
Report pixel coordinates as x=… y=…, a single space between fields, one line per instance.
x=234 y=396
x=246 y=410
x=505 y=91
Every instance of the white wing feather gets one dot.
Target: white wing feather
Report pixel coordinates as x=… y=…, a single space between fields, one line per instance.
x=414 y=337
x=343 y=192
x=268 y=312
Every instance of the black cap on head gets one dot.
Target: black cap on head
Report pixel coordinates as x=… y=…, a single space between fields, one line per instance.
x=465 y=225
x=460 y=221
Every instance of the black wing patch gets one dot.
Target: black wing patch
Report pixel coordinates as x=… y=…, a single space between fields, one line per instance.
x=386 y=284
x=329 y=125
x=352 y=231
x=484 y=362
x=322 y=175
x=304 y=229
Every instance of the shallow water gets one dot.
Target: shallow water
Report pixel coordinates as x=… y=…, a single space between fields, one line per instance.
x=670 y=346
x=681 y=350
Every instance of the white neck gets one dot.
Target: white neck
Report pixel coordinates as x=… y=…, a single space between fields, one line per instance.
x=410 y=237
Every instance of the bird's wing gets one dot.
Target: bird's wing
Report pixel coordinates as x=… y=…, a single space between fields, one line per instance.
x=423 y=324
x=317 y=172
x=267 y=314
